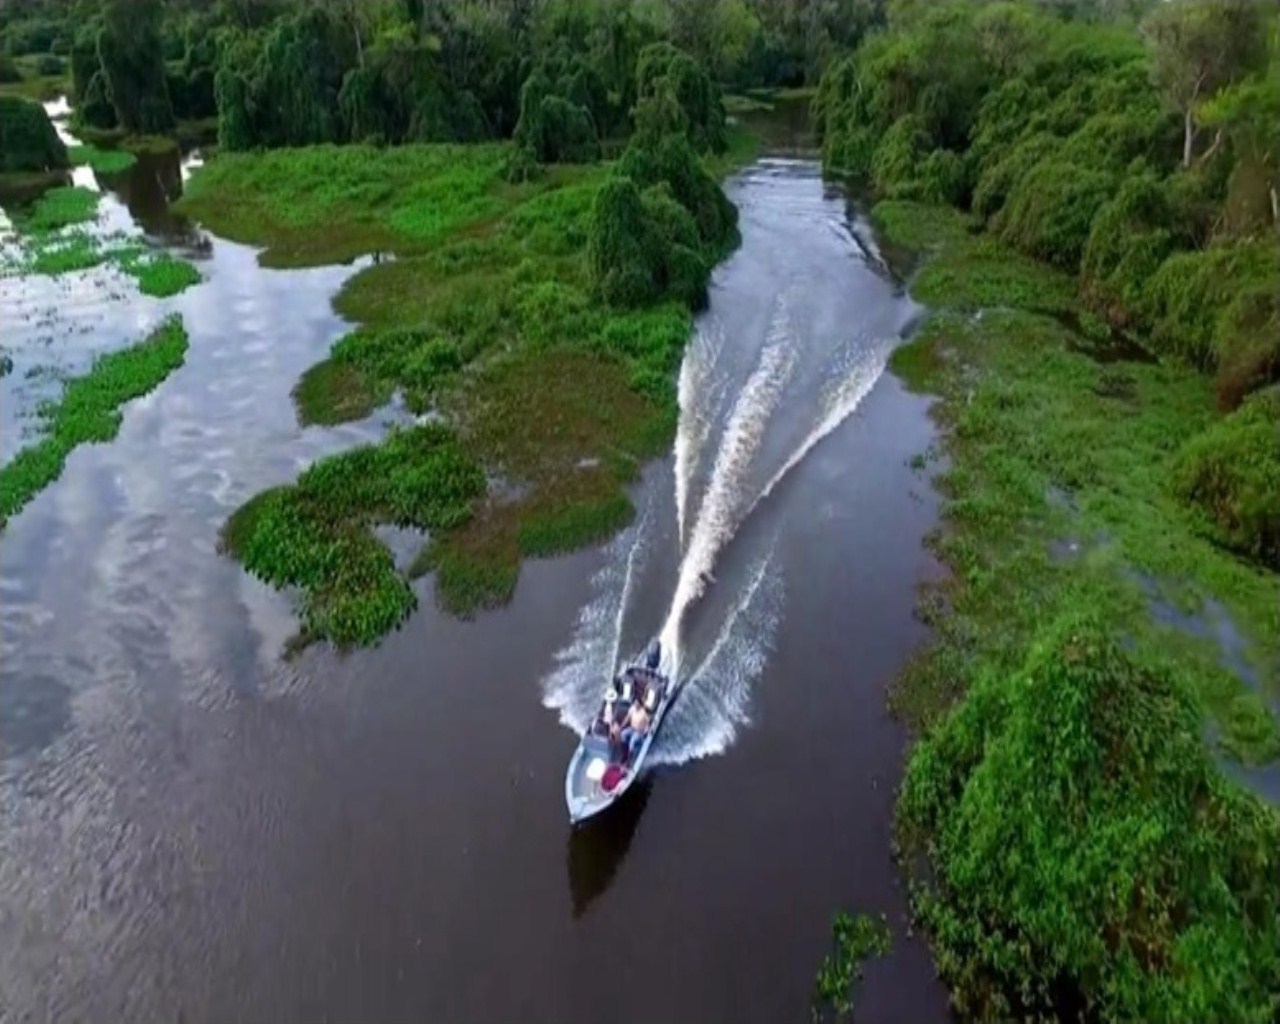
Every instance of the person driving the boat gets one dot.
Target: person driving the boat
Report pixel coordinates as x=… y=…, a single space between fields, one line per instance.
x=633 y=733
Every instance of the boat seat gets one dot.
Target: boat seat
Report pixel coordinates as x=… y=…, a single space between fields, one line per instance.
x=598 y=746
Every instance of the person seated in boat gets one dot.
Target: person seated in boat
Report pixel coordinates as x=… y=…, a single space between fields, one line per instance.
x=632 y=734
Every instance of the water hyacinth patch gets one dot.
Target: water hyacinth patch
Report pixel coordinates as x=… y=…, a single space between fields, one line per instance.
x=89 y=411
x=856 y=939
x=316 y=534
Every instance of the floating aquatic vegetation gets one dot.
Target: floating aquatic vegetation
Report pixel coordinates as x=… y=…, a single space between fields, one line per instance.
x=856 y=939
x=89 y=411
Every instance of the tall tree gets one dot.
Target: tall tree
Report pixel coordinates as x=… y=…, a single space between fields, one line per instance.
x=1199 y=46
x=131 y=53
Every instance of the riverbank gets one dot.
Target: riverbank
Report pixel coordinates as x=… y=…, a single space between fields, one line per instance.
x=1095 y=653
x=480 y=310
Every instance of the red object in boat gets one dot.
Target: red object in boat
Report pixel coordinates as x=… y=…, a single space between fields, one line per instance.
x=614 y=774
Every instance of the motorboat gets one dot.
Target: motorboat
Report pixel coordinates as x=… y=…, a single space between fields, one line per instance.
x=608 y=760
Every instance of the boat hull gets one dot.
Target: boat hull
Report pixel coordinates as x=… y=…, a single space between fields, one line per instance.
x=586 y=797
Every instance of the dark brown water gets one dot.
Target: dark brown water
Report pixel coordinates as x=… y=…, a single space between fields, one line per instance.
x=195 y=830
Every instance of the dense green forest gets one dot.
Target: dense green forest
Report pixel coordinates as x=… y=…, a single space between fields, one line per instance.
x=291 y=72
x=1144 y=162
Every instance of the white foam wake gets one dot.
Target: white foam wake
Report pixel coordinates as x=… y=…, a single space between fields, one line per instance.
x=840 y=403
x=574 y=686
x=718 y=516
x=633 y=556
x=715 y=699
x=697 y=401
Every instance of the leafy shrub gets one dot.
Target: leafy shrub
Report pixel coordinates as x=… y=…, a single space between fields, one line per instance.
x=1050 y=210
x=1002 y=120
x=1088 y=852
x=1246 y=341
x=130 y=51
x=568 y=136
x=943 y=178
x=1131 y=236
x=663 y=68
x=672 y=161
x=28 y=140
x=622 y=245
x=96 y=109
x=1231 y=472
x=31 y=34
x=899 y=154
x=1187 y=299
x=1114 y=139
x=9 y=70
x=551 y=128
x=50 y=64
x=1002 y=175
x=660 y=243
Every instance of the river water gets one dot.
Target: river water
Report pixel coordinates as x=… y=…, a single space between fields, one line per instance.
x=195 y=829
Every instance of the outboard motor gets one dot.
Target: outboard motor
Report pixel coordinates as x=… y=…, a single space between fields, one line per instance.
x=653 y=657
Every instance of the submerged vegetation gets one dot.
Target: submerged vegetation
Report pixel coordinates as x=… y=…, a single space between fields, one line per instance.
x=89 y=411
x=1097 y=238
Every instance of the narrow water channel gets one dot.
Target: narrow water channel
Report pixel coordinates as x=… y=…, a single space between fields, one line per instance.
x=194 y=829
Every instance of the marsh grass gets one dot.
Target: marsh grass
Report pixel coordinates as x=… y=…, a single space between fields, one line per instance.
x=334 y=392
x=89 y=411
x=61 y=254
x=1007 y=792
x=37 y=87
x=20 y=188
x=1026 y=415
x=149 y=145
x=329 y=204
